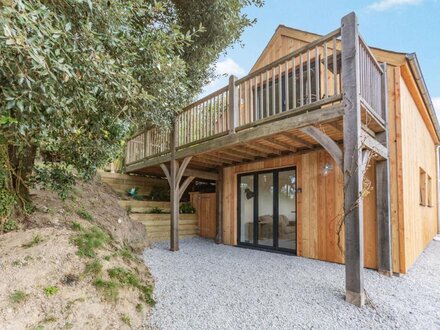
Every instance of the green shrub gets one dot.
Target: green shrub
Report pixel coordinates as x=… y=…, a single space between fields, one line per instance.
x=7 y=202
x=84 y=214
x=93 y=268
x=55 y=177
x=89 y=240
x=156 y=210
x=50 y=290
x=160 y=194
x=37 y=239
x=110 y=289
x=10 y=225
x=18 y=296
x=187 y=208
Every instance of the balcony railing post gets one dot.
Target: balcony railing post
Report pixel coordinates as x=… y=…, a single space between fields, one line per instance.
x=233 y=105
x=353 y=176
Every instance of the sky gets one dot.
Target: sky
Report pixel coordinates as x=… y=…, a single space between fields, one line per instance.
x=399 y=25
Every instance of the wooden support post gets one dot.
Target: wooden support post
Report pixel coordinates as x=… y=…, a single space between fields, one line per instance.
x=353 y=204
x=384 y=256
x=174 y=175
x=384 y=241
x=174 y=191
x=233 y=105
x=219 y=207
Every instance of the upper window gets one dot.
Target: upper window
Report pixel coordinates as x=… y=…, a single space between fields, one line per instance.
x=422 y=183
x=429 y=187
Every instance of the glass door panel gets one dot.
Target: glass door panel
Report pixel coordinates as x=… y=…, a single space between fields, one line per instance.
x=287 y=220
x=265 y=209
x=247 y=209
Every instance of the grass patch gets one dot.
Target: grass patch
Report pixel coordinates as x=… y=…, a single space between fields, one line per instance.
x=89 y=240
x=37 y=239
x=139 y=308
x=18 y=296
x=126 y=319
x=110 y=289
x=126 y=277
x=50 y=319
x=76 y=226
x=50 y=290
x=93 y=268
x=84 y=214
x=107 y=258
x=125 y=253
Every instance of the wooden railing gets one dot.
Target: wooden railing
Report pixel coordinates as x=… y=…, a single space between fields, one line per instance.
x=206 y=118
x=370 y=76
x=310 y=76
x=306 y=79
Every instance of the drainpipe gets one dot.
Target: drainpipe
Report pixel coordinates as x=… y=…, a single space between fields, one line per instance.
x=438 y=188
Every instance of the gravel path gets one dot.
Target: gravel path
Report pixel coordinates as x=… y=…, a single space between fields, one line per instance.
x=208 y=286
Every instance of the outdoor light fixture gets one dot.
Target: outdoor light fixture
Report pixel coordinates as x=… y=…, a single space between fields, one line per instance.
x=327 y=169
x=249 y=193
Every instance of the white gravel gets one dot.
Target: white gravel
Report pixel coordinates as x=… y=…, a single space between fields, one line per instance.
x=209 y=286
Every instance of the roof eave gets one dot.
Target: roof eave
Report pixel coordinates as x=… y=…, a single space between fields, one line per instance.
x=420 y=81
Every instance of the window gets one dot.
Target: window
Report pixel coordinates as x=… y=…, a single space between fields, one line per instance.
x=422 y=187
x=429 y=191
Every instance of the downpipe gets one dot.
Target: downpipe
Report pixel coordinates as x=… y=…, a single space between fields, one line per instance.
x=438 y=188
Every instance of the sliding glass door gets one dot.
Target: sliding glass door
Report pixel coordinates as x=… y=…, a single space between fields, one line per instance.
x=267 y=209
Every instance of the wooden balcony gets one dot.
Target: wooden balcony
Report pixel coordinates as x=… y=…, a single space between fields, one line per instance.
x=262 y=115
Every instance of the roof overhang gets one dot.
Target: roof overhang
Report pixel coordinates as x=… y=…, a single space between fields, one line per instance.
x=420 y=81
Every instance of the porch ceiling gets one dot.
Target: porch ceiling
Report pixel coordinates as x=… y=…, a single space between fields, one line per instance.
x=276 y=145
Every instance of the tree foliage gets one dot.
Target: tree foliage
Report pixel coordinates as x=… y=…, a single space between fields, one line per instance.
x=77 y=76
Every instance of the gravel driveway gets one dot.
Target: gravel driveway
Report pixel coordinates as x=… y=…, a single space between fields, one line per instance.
x=208 y=286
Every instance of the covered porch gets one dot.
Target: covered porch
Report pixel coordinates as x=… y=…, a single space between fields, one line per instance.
x=330 y=94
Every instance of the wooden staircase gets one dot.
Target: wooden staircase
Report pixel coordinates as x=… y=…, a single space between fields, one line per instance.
x=157 y=224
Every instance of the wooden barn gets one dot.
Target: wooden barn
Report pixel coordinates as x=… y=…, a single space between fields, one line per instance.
x=325 y=150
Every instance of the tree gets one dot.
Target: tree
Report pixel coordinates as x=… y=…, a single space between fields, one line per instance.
x=77 y=76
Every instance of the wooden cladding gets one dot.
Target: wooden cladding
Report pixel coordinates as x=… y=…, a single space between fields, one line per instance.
x=320 y=206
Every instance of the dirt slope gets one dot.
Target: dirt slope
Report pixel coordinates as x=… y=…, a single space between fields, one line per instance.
x=45 y=284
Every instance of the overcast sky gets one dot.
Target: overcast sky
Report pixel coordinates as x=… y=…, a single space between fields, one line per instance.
x=399 y=25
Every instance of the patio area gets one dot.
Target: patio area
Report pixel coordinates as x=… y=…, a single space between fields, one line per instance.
x=209 y=286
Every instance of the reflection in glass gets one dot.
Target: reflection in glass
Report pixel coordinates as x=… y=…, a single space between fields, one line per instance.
x=265 y=209
x=247 y=208
x=287 y=209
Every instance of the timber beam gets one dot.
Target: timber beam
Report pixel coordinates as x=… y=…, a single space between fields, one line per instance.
x=374 y=145
x=326 y=141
